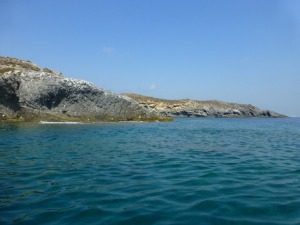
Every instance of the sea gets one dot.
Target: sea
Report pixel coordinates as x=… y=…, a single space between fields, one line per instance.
x=190 y=171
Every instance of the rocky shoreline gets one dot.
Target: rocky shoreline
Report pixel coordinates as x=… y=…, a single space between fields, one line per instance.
x=30 y=93
x=194 y=108
x=38 y=94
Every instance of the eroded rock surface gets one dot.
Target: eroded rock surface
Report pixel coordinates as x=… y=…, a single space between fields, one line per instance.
x=192 y=108
x=33 y=94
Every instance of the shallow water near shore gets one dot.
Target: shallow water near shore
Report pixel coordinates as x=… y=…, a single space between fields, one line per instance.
x=190 y=171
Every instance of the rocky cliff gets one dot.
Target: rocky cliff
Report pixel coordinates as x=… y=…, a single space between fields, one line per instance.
x=29 y=93
x=192 y=108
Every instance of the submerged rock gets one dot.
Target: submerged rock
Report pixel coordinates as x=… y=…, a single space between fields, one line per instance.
x=193 y=108
x=34 y=95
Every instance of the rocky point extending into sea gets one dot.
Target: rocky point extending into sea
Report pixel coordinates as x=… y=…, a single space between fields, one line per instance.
x=31 y=93
x=194 y=108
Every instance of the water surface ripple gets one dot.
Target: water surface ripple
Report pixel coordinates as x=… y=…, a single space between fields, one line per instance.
x=191 y=171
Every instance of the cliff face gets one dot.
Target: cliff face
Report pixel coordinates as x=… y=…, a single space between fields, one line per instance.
x=192 y=108
x=38 y=94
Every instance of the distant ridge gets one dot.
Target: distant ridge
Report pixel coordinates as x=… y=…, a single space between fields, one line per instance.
x=196 y=108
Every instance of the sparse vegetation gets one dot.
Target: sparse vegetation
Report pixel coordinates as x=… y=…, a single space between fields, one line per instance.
x=21 y=65
x=7 y=69
x=7 y=62
x=47 y=70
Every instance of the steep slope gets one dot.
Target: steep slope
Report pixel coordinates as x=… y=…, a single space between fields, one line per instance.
x=192 y=108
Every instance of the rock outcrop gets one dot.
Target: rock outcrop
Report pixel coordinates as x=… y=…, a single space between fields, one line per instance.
x=29 y=93
x=12 y=64
x=192 y=108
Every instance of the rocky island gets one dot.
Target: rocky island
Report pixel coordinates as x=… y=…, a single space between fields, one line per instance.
x=30 y=93
x=193 y=108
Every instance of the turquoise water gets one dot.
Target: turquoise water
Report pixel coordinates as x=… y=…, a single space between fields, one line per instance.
x=191 y=171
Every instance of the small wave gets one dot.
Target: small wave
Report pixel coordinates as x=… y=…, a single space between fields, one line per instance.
x=47 y=122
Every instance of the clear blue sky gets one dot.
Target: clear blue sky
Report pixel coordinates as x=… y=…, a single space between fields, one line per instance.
x=245 y=51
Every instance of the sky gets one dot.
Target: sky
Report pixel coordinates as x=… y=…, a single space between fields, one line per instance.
x=243 y=51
